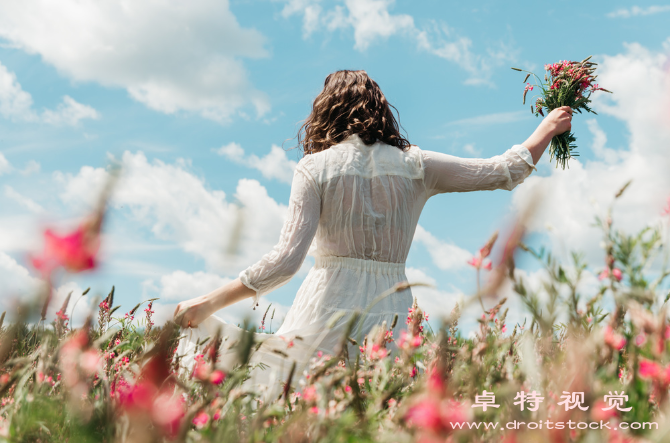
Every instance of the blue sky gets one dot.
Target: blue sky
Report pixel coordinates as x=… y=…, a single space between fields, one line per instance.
x=197 y=99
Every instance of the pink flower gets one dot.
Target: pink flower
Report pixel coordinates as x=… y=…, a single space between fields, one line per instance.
x=200 y=420
x=217 y=377
x=613 y=339
x=649 y=369
x=90 y=361
x=75 y=251
x=436 y=416
x=599 y=411
x=309 y=393
x=666 y=210
x=475 y=262
x=616 y=273
x=167 y=412
x=640 y=340
x=314 y=410
x=528 y=87
x=201 y=369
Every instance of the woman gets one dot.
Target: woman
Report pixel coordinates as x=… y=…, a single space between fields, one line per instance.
x=359 y=189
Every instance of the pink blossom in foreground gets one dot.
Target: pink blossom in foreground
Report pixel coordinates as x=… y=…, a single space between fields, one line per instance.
x=613 y=339
x=616 y=273
x=600 y=411
x=217 y=377
x=200 y=420
x=435 y=415
x=649 y=369
x=666 y=210
x=75 y=251
x=309 y=393
x=201 y=369
x=167 y=412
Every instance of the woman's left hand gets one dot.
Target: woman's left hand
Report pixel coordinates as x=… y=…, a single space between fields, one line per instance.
x=190 y=313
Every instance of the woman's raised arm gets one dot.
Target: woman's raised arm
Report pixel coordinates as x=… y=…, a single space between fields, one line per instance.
x=276 y=267
x=448 y=173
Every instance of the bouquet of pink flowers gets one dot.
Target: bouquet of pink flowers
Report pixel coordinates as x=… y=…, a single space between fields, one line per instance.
x=566 y=83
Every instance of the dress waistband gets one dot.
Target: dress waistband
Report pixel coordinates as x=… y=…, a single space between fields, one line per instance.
x=382 y=267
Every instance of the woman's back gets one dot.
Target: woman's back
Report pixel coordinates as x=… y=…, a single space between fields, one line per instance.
x=370 y=200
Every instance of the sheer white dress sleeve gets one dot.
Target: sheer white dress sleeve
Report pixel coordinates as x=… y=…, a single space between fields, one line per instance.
x=447 y=173
x=278 y=266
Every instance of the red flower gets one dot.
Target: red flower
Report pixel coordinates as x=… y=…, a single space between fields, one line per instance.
x=201 y=419
x=436 y=416
x=75 y=252
x=616 y=273
x=649 y=369
x=217 y=377
x=613 y=339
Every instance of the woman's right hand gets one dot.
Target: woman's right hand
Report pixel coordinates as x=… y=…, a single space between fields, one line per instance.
x=559 y=120
x=190 y=313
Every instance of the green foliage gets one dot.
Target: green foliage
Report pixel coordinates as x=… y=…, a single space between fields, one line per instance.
x=116 y=381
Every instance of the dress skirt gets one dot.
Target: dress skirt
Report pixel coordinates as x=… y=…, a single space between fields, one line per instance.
x=318 y=321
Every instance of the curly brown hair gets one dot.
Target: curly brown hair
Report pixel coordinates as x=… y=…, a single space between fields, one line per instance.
x=350 y=103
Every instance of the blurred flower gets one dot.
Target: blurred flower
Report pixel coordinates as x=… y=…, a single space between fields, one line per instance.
x=436 y=416
x=217 y=377
x=666 y=210
x=200 y=420
x=649 y=369
x=616 y=273
x=75 y=251
x=613 y=339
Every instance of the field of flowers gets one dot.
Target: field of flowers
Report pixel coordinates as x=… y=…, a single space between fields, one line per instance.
x=574 y=362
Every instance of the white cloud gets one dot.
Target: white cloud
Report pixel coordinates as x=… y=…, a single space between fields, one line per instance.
x=32 y=167
x=435 y=302
x=171 y=56
x=16 y=281
x=310 y=11
x=178 y=207
x=17 y=233
x=14 y=101
x=446 y=256
x=471 y=150
x=16 y=104
x=69 y=113
x=371 y=21
x=587 y=188
x=23 y=200
x=491 y=119
x=273 y=165
x=5 y=166
x=636 y=11
x=442 y=42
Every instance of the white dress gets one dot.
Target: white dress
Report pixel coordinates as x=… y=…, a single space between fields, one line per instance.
x=360 y=204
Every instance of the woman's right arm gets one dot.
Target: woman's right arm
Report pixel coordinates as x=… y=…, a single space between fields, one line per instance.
x=448 y=173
